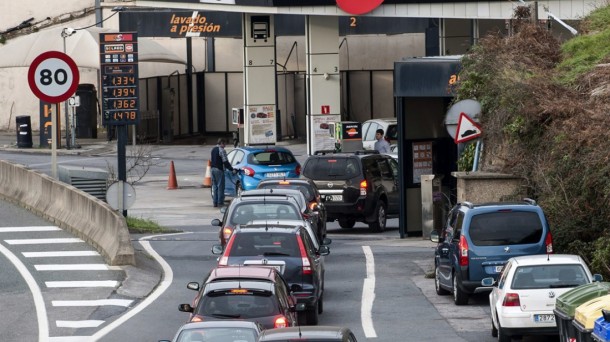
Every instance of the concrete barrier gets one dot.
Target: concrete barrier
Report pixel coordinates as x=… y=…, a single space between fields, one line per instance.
x=81 y=214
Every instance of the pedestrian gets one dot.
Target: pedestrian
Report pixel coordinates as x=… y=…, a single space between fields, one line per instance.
x=219 y=163
x=381 y=145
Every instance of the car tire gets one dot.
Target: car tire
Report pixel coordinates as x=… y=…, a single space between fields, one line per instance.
x=502 y=337
x=347 y=223
x=494 y=331
x=437 y=284
x=312 y=315
x=321 y=304
x=459 y=296
x=378 y=225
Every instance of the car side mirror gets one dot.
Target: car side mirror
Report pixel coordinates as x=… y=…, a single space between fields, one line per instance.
x=598 y=277
x=299 y=307
x=326 y=241
x=490 y=281
x=216 y=223
x=324 y=250
x=217 y=249
x=185 y=308
x=435 y=237
x=193 y=285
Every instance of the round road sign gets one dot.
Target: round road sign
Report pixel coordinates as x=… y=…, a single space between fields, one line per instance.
x=53 y=76
x=358 y=7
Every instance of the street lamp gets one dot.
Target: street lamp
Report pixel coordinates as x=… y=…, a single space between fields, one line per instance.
x=65 y=33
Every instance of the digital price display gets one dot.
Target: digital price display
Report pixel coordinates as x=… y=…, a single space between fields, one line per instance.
x=119 y=72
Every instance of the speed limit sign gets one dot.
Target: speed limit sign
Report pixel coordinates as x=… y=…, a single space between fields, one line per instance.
x=53 y=76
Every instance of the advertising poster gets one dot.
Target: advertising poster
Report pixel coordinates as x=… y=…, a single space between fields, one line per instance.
x=321 y=137
x=422 y=160
x=261 y=124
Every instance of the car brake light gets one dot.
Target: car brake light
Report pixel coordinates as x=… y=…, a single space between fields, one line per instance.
x=248 y=171
x=224 y=259
x=548 y=241
x=511 y=299
x=304 y=258
x=311 y=205
x=226 y=232
x=363 y=186
x=280 y=322
x=463 y=248
x=297 y=170
x=305 y=216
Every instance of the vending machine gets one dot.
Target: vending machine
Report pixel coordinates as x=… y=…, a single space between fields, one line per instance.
x=347 y=135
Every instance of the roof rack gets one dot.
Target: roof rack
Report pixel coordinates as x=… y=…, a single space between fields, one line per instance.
x=529 y=200
x=468 y=204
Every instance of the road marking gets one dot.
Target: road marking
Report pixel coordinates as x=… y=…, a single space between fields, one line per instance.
x=41 y=241
x=72 y=267
x=41 y=310
x=368 y=295
x=59 y=254
x=101 y=283
x=70 y=339
x=79 y=324
x=28 y=229
x=96 y=302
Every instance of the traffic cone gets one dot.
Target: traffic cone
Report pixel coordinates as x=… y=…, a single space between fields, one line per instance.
x=172 y=183
x=207 y=180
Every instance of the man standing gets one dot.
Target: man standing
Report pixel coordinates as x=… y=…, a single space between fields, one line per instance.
x=219 y=163
x=381 y=145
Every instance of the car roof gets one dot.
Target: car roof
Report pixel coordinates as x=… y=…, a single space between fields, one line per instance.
x=239 y=284
x=545 y=259
x=267 y=229
x=304 y=181
x=297 y=195
x=387 y=120
x=500 y=205
x=305 y=332
x=225 y=323
x=332 y=153
x=237 y=272
x=263 y=148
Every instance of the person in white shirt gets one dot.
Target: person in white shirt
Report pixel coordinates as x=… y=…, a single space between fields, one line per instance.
x=381 y=145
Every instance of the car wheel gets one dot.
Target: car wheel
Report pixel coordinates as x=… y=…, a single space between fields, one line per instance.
x=378 y=225
x=312 y=315
x=459 y=297
x=502 y=337
x=347 y=223
x=321 y=304
x=494 y=331
x=437 y=283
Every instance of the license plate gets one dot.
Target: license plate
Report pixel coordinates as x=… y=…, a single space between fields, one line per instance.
x=334 y=198
x=544 y=318
x=498 y=269
x=276 y=174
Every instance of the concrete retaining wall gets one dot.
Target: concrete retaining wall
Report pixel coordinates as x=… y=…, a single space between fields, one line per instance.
x=483 y=187
x=83 y=215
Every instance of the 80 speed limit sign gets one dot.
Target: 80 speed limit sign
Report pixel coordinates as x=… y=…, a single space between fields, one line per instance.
x=53 y=77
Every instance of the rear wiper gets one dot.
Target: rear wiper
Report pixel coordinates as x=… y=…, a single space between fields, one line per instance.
x=226 y=315
x=275 y=253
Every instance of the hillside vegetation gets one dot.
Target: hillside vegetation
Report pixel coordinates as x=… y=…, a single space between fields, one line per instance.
x=546 y=117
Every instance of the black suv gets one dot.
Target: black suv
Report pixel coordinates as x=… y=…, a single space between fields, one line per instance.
x=360 y=186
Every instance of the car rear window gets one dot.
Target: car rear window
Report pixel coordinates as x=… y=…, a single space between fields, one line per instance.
x=549 y=276
x=392 y=132
x=302 y=188
x=271 y=157
x=243 y=304
x=264 y=243
x=332 y=168
x=218 y=334
x=255 y=210
x=505 y=228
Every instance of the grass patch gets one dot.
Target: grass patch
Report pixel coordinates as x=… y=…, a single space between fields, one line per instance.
x=139 y=226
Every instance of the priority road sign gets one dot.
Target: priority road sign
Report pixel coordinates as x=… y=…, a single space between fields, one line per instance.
x=467 y=129
x=53 y=76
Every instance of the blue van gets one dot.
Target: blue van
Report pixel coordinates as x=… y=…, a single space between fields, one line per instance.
x=478 y=239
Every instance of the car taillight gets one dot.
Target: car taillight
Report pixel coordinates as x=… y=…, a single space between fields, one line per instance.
x=463 y=248
x=226 y=232
x=280 y=322
x=305 y=216
x=248 y=171
x=363 y=187
x=548 y=241
x=297 y=170
x=196 y=319
x=511 y=299
x=311 y=205
x=224 y=259
x=304 y=258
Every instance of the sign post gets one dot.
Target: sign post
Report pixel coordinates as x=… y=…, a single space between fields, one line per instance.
x=53 y=77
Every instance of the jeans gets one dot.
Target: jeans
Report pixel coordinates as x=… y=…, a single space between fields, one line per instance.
x=218 y=186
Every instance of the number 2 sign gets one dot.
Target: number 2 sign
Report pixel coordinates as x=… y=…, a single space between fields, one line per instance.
x=53 y=76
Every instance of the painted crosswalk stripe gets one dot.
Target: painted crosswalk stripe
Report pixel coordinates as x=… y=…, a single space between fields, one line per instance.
x=42 y=241
x=70 y=339
x=71 y=267
x=95 y=302
x=28 y=229
x=100 y=283
x=59 y=254
x=79 y=324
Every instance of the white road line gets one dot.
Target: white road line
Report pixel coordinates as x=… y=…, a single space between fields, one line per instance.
x=368 y=295
x=101 y=283
x=79 y=324
x=71 y=267
x=59 y=254
x=168 y=276
x=95 y=302
x=41 y=310
x=70 y=339
x=41 y=241
x=28 y=229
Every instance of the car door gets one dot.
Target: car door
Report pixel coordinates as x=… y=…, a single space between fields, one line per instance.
x=389 y=173
x=497 y=293
x=318 y=260
x=368 y=139
x=444 y=248
x=234 y=157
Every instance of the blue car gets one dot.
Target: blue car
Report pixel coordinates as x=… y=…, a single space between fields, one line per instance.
x=256 y=163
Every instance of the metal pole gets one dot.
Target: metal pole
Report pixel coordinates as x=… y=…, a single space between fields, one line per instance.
x=64 y=35
x=54 y=141
x=121 y=157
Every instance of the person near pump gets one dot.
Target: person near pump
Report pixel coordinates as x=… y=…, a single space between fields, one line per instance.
x=381 y=145
x=219 y=163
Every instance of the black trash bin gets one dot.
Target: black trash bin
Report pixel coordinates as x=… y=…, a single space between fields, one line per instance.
x=24 y=131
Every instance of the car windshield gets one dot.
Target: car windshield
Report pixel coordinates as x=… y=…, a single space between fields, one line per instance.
x=263 y=210
x=505 y=228
x=264 y=243
x=271 y=157
x=217 y=334
x=549 y=276
x=332 y=168
x=229 y=305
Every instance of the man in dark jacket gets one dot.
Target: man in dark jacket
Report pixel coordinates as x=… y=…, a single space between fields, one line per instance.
x=219 y=163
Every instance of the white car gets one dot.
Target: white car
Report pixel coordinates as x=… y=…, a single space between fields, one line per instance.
x=369 y=127
x=523 y=299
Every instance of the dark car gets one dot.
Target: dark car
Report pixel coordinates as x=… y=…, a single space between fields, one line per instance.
x=317 y=334
x=477 y=241
x=312 y=195
x=226 y=330
x=356 y=187
x=291 y=251
x=257 y=294
x=242 y=210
